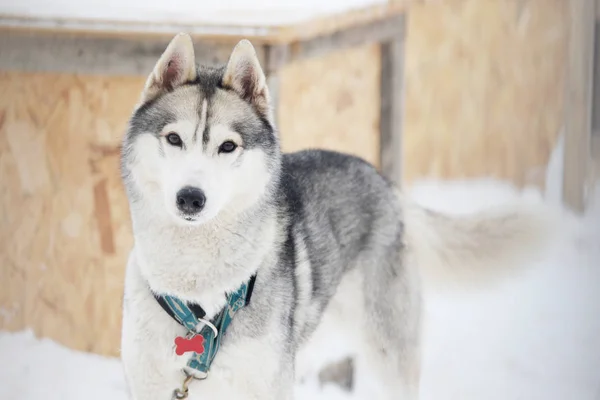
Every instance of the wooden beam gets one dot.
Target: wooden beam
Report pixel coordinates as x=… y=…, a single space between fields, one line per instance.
x=126 y=55
x=595 y=147
x=374 y=32
x=594 y=176
x=129 y=29
x=31 y=52
x=276 y=56
x=596 y=83
x=578 y=102
x=392 y=107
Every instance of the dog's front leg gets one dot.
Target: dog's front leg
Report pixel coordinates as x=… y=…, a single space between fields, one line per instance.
x=146 y=364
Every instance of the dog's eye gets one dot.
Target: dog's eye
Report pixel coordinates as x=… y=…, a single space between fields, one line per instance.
x=227 y=147
x=174 y=139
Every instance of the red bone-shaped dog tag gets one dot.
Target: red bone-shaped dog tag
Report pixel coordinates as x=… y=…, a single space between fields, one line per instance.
x=184 y=345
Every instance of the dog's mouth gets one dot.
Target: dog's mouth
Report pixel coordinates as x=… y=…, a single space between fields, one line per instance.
x=189 y=218
x=185 y=219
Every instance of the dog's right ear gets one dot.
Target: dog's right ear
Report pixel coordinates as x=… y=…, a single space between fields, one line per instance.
x=176 y=66
x=244 y=75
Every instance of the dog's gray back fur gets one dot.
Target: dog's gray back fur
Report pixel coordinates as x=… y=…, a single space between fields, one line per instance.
x=343 y=213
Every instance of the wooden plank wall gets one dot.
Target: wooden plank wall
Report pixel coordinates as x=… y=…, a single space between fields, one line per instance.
x=485 y=84
x=64 y=217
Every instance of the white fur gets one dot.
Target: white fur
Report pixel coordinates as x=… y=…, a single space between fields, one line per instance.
x=228 y=186
x=153 y=370
x=184 y=258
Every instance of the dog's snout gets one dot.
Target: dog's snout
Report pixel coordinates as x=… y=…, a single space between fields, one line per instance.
x=190 y=200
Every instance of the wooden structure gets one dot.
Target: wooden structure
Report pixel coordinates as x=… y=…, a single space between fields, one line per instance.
x=68 y=89
x=484 y=89
x=582 y=119
x=484 y=96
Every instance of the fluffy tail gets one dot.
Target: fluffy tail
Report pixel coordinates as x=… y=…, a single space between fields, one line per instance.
x=476 y=248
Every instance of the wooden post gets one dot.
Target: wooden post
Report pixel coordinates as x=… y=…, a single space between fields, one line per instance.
x=594 y=178
x=276 y=56
x=578 y=102
x=392 y=107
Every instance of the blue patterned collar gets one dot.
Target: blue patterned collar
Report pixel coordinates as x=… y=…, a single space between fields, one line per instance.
x=204 y=344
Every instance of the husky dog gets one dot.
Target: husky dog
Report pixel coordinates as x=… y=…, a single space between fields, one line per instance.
x=214 y=203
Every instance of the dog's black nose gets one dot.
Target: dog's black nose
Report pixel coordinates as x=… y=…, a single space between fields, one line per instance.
x=190 y=200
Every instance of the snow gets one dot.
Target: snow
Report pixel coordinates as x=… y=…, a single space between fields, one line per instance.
x=231 y=12
x=535 y=337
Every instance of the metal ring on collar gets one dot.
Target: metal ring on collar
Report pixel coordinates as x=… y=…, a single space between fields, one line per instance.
x=210 y=325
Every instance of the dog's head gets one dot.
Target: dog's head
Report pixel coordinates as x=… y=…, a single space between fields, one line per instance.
x=201 y=142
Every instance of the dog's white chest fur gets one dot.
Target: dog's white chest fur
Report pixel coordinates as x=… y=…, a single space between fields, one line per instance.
x=155 y=371
x=185 y=262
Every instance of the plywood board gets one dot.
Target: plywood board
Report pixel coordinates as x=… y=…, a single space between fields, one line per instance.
x=65 y=229
x=333 y=102
x=594 y=173
x=485 y=88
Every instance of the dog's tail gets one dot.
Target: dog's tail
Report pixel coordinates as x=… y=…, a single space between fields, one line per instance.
x=478 y=247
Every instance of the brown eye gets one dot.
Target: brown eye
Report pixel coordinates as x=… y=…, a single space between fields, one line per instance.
x=174 y=139
x=227 y=147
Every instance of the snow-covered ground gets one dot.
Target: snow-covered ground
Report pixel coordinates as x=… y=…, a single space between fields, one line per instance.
x=534 y=338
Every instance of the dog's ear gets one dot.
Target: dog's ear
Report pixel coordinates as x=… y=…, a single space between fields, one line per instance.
x=175 y=67
x=244 y=75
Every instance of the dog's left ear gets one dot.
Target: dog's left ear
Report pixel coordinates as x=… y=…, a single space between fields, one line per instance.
x=244 y=75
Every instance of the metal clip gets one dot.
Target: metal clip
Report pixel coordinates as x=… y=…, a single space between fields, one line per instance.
x=182 y=393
